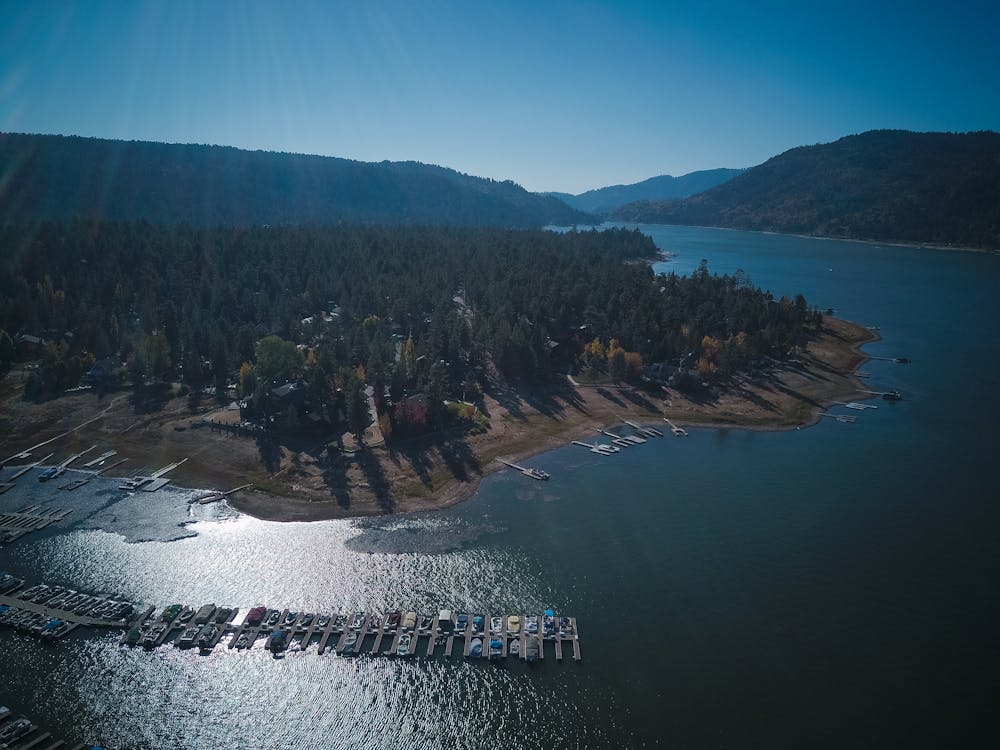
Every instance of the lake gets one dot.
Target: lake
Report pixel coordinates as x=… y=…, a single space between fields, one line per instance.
x=825 y=587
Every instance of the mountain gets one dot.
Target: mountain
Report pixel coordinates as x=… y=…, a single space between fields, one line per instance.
x=605 y=200
x=886 y=185
x=60 y=177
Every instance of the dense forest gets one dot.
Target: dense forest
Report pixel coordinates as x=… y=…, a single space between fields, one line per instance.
x=887 y=185
x=406 y=309
x=606 y=200
x=48 y=177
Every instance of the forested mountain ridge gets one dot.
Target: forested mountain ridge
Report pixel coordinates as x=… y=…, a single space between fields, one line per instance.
x=886 y=185
x=50 y=177
x=662 y=187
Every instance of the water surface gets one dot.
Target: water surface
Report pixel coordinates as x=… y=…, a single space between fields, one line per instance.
x=828 y=587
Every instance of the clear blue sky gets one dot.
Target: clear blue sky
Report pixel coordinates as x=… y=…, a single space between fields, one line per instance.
x=556 y=96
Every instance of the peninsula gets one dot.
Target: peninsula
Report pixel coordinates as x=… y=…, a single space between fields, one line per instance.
x=349 y=371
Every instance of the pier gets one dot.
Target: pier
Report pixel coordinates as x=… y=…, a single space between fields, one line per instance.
x=855 y=405
x=647 y=431
x=845 y=418
x=602 y=449
x=528 y=472
x=77 y=483
x=887 y=395
x=4 y=486
x=53 y=611
x=678 y=431
x=150 y=483
x=15 y=525
x=100 y=459
x=617 y=439
x=216 y=496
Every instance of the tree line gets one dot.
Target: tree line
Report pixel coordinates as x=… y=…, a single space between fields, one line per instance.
x=431 y=310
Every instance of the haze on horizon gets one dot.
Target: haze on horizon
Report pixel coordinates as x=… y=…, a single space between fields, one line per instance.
x=567 y=97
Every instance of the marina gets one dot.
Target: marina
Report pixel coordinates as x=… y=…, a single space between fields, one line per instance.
x=15 y=525
x=50 y=612
x=347 y=634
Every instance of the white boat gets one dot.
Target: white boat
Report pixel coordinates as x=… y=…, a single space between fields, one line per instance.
x=350 y=644
x=404 y=645
x=514 y=647
x=476 y=647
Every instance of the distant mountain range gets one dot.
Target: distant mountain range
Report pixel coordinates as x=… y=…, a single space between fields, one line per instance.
x=885 y=185
x=607 y=199
x=60 y=177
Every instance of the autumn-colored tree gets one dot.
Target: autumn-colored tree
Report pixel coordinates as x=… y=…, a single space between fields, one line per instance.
x=633 y=364
x=616 y=360
x=594 y=354
x=248 y=380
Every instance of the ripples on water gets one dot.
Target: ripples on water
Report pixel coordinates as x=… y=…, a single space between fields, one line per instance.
x=156 y=548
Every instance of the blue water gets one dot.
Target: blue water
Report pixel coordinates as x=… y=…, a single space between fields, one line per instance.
x=828 y=587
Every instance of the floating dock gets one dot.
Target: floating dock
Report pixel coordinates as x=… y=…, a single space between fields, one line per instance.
x=528 y=472
x=15 y=525
x=100 y=459
x=341 y=627
x=604 y=450
x=216 y=496
x=678 y=431
x=647 y=431
x=153 y=482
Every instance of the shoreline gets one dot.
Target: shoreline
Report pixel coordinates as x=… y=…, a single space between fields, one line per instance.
x=295 y=479
x=888 y=243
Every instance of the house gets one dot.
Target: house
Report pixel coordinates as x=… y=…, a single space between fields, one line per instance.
x=104 y=374
x=413 y=409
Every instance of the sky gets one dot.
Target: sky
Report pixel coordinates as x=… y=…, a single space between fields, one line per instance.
x=563 y=96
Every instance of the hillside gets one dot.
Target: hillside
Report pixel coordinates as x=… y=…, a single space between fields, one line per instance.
x=664 y=187
x=886 y=185
x=58 y=177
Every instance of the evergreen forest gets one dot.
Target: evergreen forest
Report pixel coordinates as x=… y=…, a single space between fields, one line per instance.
x=438 y=311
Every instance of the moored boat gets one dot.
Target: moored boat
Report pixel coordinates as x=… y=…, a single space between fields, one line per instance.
x=496 y=649
x=531 y=648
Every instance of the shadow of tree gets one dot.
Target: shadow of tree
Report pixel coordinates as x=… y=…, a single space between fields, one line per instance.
x=639 y=400
x=270 y=452
x=754 y=398
x=605 y=393
x=418 y=459
x=371 y=467
x=459 y=458
x=335 y=479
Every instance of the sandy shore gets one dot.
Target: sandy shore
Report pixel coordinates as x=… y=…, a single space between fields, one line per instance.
x=296 y=480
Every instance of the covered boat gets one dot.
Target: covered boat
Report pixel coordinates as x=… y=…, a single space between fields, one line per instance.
x=476 y=647
x=531 y=649
x=496 y=649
